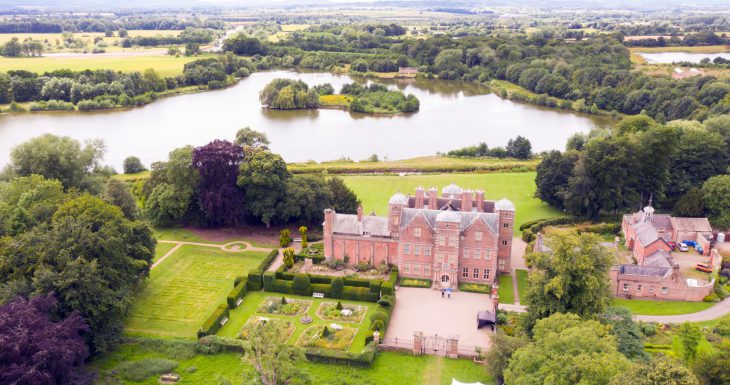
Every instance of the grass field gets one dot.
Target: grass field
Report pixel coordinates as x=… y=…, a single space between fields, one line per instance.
x=387 y=369
x=419 y=164
x=177 y=234
x=643 y=307
x=522 y=284
x=87 y=37
x=165 y=65
x=142 y=175
x=162 y=249
x=506 y=289
x=241 y=314
x=374 y=191
x=183 y=291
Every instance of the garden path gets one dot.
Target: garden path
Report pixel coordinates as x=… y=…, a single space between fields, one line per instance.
x=233 y=247
x=519 y=249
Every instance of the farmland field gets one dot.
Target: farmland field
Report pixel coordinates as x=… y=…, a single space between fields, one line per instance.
x=183 y=291
x=374 y=191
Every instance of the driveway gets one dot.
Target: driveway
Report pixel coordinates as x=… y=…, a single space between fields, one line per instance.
x=717 y=311
x=424 y=310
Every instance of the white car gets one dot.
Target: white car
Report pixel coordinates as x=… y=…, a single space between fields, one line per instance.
x=683 y=247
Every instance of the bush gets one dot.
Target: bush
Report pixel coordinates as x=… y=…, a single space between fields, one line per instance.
x=215 y=344
x=301 y=285
x=215 y=85
x=139 y=371
x=285 y=238
x=357 y=294
x=269 y=278
x=338 y=357
x=357 y=282
x=711 y=298
x=386 y=301
x=133 y=165
x=375 y=285
x=322 y=288
x=380 y=315
x=254 y=280
x=647 y=329
x=337 y=287
x=528 y=236
x=387 y=288
x=415 y=282
x=213 y=323
x=723 y=328
x=238 y=292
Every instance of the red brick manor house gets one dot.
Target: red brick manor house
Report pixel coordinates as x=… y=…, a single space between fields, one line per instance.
x=456 y=237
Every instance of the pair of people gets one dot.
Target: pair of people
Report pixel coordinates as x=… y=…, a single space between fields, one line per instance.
x=447 y=292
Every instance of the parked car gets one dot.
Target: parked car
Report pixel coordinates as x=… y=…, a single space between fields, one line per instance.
x=703 y=267
x=672 y=244
x=699 y=249
x=683 y=247
x=690 y=243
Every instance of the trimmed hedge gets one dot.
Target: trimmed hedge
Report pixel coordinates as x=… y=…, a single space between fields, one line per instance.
x=415 y=282
x=239 y=291
x=322 y=288
x=213 y=323
x=255 y=282
x=328 y=356
x=359 y=294
x=338 y=284
x=357 y=282
x=301 y=285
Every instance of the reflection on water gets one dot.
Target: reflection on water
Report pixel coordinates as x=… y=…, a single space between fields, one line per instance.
x=676 y=57
x=453 y=114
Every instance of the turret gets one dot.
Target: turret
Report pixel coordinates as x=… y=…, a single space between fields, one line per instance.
x=395 y=208
x=506 y=211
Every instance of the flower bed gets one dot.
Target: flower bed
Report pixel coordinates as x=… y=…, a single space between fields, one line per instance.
x=290 y=307
x=346 y=313
x=286 y=327
x=415 y=282
x=327 y=337
x=475 y=287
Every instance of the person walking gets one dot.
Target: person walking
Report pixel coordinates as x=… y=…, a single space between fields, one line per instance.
x=442 y=293
x=448 y=292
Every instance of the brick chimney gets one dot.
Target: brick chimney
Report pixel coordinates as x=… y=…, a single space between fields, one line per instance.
x=359 y=213
x=433 y=198
x=419 y=197
x=466 y=201
x=480 y=200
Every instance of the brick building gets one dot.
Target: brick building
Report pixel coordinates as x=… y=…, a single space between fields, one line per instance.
x=456 y=237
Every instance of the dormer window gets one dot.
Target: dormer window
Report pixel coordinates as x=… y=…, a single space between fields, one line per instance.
x=366 y=233
x=478 y=235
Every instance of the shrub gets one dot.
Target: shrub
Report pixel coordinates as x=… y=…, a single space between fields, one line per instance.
x=528 y=236
x=647 y=329
x=215 y=344
x=322 y=288
x=357 y=282
x=238 y=292
x=288 y=258
x=723 y=328
x=380 y=315
x=386 y=301
x=213 y=323
x=268 y=278
x=356 y=294
x=329 y=356
x=141 y=370
x=415 y=282
x=712 y=297
x=254 y=280
x=301 y=285
x=215 y=85
x=375 y=285
x=386 y=288
x=377 y=325
x=337 y=286
x=285 y=238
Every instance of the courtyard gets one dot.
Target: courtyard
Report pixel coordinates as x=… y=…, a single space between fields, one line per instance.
x=424 y=310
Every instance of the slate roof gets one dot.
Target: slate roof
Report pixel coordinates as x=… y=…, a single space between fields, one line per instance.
x=487 y=206
x=348 y=224
x=659 y=258
x=644 y=271
x=700 y=225
x=646 y=233
x=466 y=218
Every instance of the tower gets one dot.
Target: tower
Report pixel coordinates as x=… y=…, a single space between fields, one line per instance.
x=395 y=208
x=329 y=216
x=506 y=211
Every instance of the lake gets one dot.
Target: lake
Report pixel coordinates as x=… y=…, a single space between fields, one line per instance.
x=453 y=114
x=676 y=57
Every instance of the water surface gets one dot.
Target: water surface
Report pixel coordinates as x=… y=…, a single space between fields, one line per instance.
x=453 y=114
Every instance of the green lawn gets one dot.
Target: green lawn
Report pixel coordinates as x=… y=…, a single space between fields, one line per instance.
x=162 y=249
x=644 y=307
x=177 y=234
x=388 y=369
x=522 y=284
x=183 y=291
x=374 y=191
x=251 y=302
x=506 y=290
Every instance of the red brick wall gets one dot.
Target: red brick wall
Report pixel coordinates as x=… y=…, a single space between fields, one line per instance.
x=504 y=247
x=652 y=288
x=487 y=256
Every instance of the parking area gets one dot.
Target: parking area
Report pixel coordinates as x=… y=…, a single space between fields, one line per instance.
x=687 y=261
x=424 y=310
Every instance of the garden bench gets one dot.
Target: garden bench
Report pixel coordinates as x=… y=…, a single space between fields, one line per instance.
x=223 y=321
x=318 y=295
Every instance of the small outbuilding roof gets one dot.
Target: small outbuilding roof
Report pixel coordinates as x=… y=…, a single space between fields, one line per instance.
x=699 y=225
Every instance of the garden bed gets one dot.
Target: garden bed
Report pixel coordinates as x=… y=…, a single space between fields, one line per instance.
x=327 y=337
x=415 y=282
x=283 y=306
x=345 y=313
x=475 y=287
x=286 y=327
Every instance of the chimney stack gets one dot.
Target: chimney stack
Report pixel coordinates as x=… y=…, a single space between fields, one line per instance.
x=433 y=198
x=466 y=201
x=480 y=200
x=419 y=197
x=359 y=213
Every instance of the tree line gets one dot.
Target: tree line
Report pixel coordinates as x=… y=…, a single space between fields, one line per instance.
x=607 y=172
x=518 y=148
x=81 y=24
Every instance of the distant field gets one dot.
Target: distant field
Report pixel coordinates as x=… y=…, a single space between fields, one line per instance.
x=374 y=191
x=419 y=164
x=163 y=64
x=183 y=291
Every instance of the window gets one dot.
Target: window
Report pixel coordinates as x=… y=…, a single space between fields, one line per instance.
x=441 y=241
x=426 y=270
x=477 y=253
x=439 y=257
x=665 y=290
x=406 y=268
x=501 y=264
x=416 y=250
x=452 y=241
x=486 y=273
x=416 y=269
x=504 y=243
x=478 y=235
x=427 y=251
x=406 y=249
x=465 y=254
x=638 y=288
x=505 y=225
x=417 y=232
x=486 y=255
x=476 y=273
x=626 y=286
x=445 y=266
x=651 y=289
x=452 y=258
x=465 y=272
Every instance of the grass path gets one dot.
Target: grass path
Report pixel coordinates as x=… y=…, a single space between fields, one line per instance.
x=231 y=247
x=432 y=374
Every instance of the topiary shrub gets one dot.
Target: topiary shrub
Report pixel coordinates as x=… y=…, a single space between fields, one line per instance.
x=337 y=285
x=301 y=285
x=339 y=305
x=285 y=238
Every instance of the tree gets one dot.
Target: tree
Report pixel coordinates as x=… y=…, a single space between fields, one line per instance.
x=303 y=233
x=274 y=361
x=661 y=370
x=192 y=49
x=628 y=335
x=716 y=194
x=690 y=335
x=220 y=199
x=168 y=205
x=122 y=33
x=567 y=350
x=344 y=200
x=714 y=369
x=12 y=48
x=572 y=278
x=519 y=148
x=58 y=157
x=288 y=256
x=117 y=194
x=38 y=350
x=691 y=204
x=6 y=88
x=449 y=62
x=26 y=202
x=576 y=142
x=305 y=200
x=634 y=124
x=241 y=44
x=553 y=174
x=503 y=347
x=251 y=140
x=133 y=165
x=263 y=179
x=699 y=156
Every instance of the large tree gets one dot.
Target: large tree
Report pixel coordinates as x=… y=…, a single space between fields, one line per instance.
x=274 y=361
x=628 y=335
x=501 y=351
x=716 y=195
x=553 y=174
x=699 y=156
x=567 y=350
x=220 y=199
x=264 y=177
x=714 y=368
x=344 y=199
x=28 y=201
x=251 y=140
x=570 y=278
x=117 y=193
x=661 y=370
x=38 y=349
x=305 y=199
